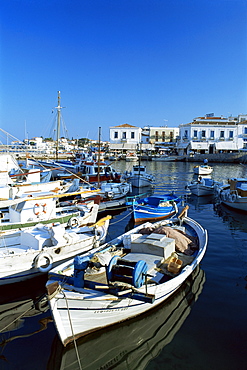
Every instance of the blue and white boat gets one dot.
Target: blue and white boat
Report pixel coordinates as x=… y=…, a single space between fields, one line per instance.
x=155 y=207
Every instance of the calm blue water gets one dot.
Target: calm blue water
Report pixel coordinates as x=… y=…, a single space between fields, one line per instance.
x=203 y=326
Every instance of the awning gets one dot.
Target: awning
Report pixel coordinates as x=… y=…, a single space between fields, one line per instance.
x=182 y=145
x=199 y=145
x=125 y=146
x=226 y=145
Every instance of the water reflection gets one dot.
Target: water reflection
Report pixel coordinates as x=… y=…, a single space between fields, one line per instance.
x=24 y=320
x=198 y=203
x=13 y=315
x=236 y=220
x=133 y=344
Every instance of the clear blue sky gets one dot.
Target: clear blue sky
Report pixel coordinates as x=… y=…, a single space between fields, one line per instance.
x=142 y=62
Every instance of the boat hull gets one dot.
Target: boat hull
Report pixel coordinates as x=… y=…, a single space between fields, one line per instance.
x=240 y=205
x=32 y=254
x=157 y=328
x=201 y=190
x=141 y=182
x=203 y=170
x=79 y=312
x=155 y=208
x=141 y=215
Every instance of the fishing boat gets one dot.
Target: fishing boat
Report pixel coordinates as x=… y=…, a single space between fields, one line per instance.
x=126 y=277
x=32 y=208
x=92 y=172
x=114 y=190
x=20 y=182
x=139 y=178
x=234 y=194
x=131 y=157
x=165 y=158
x=109 y=196
x=203 y=169
x=134 y=343
x=203 y=186
x=155 y=207
x=15 y=181
x=28 y=253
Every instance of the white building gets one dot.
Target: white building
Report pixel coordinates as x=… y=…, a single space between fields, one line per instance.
x=124 y=137
x=162 y=138
x=211 y=134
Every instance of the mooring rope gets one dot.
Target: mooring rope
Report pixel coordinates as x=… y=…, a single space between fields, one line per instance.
x=72 y=331
x=113 y=223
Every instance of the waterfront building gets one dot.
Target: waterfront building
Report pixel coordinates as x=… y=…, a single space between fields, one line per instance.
x=210 y=134
x=162 y=138
x=149 y=139
x=124 y=138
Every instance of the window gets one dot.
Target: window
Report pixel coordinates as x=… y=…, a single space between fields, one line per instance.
x=156 y=135
x=222 y=134
x=124 y=135
x=163 y=136
x=186 y=134
x=115 y=135
x=245 y=130
x=195 y=133
x=203 y=134
x=212 y=134
x=132 y=135
x=230 y=134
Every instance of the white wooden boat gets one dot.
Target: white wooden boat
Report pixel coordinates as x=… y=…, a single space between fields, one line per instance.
x=15 y=181
x=42 y=207
x=234 y=194
x=131 y=157
x=132 y=344
x=114 y=190
x=203 y=170
x=139 y=178
x=203 y=186
x=165 y=158
x=139 y=272
x=28 y=253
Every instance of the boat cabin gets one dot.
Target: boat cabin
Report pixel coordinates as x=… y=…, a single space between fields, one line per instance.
x=30 y=210
x=239 y=186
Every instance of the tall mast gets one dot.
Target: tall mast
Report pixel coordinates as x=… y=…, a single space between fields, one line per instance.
x=99 y=158
x=58 y=121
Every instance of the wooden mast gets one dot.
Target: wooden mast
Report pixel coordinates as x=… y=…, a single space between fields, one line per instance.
x=58 y=122
x=99 y=158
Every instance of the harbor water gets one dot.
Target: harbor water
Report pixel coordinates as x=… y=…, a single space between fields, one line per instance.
x=202 y=326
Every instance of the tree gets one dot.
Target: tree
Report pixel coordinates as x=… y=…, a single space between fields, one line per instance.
x=83 y=141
